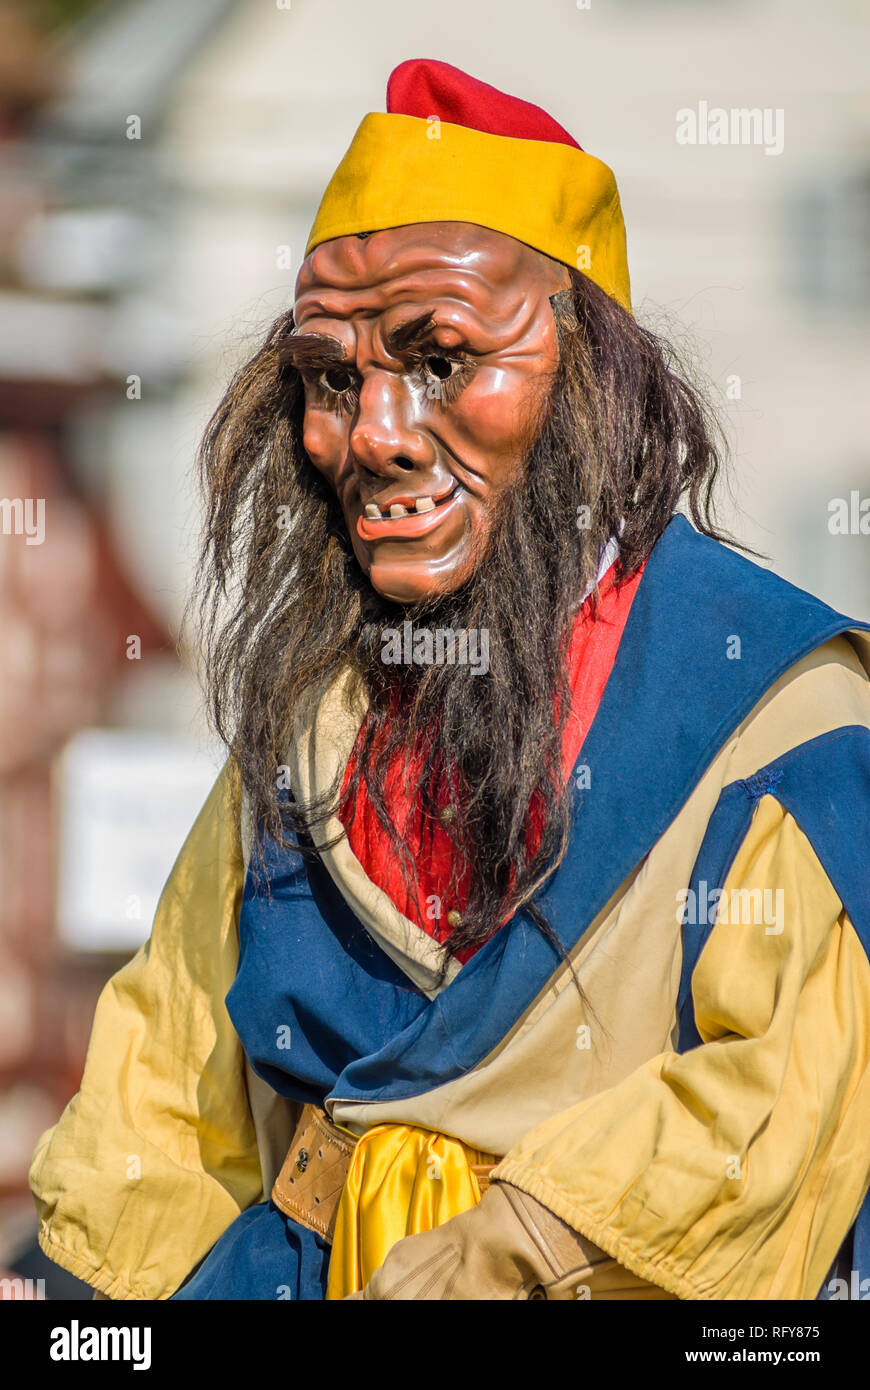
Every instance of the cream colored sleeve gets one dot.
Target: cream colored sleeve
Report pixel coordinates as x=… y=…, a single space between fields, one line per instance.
x=734 y=1170
x=157 y=1154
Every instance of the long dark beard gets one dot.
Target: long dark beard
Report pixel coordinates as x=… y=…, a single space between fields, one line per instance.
x=492 y=726
x=621 y=439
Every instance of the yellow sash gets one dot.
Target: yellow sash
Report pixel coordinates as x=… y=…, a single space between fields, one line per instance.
x=402 y=1180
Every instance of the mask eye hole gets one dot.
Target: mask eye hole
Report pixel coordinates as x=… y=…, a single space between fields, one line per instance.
x=440 y=367
x=337 y=379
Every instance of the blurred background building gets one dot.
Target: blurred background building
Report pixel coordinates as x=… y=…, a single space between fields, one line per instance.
x=161 y=165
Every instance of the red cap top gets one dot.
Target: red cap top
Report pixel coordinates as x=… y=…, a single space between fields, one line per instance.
x=423 y=87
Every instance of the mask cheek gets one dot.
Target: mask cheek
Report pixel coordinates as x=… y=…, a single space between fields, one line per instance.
x=323 y=442
x=492 y=433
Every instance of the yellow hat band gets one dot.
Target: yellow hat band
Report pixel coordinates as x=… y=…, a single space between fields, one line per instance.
x=403 y=169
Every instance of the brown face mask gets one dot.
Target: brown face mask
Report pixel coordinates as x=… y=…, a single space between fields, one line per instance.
x=425 y=351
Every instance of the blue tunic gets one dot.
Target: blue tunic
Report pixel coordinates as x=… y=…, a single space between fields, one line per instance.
x=360 y=1030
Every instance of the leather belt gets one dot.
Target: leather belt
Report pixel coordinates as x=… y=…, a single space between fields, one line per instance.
x=482 y=1171
x=309 y=1186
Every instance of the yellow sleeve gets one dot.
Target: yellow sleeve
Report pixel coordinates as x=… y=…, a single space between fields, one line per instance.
x=157 y=1154
x=736 y=1169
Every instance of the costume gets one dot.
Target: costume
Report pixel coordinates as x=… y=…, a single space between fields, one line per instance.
x=699 y=1114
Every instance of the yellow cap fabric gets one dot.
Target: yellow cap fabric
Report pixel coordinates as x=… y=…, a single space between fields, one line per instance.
x=404 y=169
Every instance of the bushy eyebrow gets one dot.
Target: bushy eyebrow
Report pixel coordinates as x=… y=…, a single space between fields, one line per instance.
x=317 y=351
x=311 y=352
x=413 y=334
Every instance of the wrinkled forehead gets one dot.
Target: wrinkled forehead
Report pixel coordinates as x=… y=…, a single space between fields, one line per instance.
x=486 y=272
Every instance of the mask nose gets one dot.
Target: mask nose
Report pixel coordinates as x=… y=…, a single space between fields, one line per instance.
x=385 y=441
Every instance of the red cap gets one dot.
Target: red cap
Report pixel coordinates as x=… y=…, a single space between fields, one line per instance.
x=423 y=87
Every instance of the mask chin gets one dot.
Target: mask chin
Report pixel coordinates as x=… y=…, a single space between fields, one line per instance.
x=413 y=584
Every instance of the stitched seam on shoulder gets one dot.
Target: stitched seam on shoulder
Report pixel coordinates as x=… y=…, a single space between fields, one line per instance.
x=762 y=784
x=777 y=765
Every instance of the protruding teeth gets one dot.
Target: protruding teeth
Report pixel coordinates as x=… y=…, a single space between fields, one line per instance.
x=396 y=509
x=373 y=511
x=424 y=504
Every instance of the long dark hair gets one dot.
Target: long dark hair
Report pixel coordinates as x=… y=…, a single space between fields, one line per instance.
x=284 y=607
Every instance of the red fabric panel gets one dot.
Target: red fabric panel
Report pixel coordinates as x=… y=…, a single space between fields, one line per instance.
x=423 y=87
x=441 y=873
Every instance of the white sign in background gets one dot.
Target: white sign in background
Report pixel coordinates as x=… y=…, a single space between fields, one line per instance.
x=126 y=804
